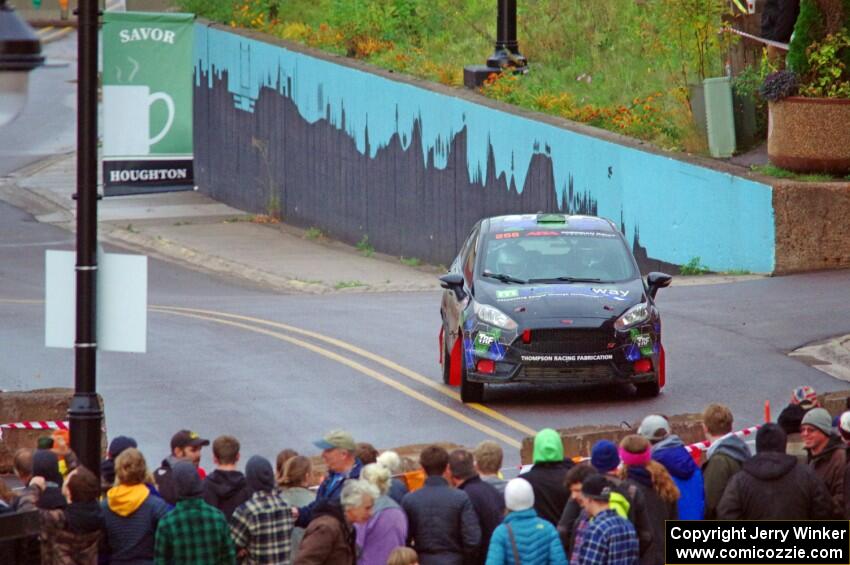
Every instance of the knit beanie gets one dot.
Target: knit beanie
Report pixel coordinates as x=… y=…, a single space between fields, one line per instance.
x=186 y=480
x=259 y=474
x=820 y=419
x=771 y=438
x=46 y=464
x=654 y=428
x=519 y=495
x=604 y=456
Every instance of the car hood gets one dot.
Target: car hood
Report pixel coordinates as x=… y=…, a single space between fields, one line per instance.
x=532 y=303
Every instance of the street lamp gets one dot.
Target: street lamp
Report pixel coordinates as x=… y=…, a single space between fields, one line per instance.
x=20 y=52
x=506 y=54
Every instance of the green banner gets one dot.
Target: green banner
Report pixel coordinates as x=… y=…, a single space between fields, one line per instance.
x=147 y=101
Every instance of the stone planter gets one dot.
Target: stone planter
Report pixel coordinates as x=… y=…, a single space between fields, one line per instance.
x=810 y=135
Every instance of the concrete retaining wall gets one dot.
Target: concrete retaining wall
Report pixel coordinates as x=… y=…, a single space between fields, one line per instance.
x=32 y=405
x=359 y=152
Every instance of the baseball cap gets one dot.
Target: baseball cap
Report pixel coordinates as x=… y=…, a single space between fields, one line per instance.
x=336 y=439
x=805 y=396
x=185 y=438
x=596 y=487
x=654 y=428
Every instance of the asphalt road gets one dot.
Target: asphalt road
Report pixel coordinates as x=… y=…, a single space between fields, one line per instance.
x=261 y=378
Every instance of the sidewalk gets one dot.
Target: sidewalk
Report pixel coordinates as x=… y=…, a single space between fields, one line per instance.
x=192 y=229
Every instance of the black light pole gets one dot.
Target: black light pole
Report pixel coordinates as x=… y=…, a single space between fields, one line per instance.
x=85 y=414
x=506 y=54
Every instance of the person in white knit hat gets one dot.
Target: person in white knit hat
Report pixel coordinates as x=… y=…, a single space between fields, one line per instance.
x=523 y=537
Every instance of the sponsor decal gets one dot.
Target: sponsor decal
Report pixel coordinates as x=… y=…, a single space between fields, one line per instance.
x=510 y=293
x=507 y=235
x=542 y=233
x=484 y=340
x=614 y=293
x=566 y=358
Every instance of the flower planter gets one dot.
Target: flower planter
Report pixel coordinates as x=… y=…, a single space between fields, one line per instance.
x=810 y=135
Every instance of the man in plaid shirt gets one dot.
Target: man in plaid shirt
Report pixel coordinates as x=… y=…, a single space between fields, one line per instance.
x=194 y=533
x=262 y=525
x=608 y=539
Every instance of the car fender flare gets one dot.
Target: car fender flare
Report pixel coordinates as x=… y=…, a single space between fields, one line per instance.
x=662 y=367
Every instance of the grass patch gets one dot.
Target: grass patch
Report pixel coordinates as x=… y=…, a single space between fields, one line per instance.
x=131 y=229
x=411 y=261
x=622 y=66
x=314 y=234
x=737 y=272
x=236 y=219
x=177 y=224
x=364 y=247
x=349 y=284
x=693 y=267
x=774 y=171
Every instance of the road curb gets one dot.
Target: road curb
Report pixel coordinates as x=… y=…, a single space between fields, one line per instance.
x=831 y=356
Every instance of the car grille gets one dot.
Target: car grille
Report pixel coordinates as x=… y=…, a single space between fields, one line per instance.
x=566 y=341
x=592 y=374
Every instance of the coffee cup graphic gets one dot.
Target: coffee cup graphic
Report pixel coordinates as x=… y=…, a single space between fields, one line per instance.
x=126 y=119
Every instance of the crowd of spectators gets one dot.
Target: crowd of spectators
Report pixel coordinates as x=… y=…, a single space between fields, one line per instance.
x=608 y=509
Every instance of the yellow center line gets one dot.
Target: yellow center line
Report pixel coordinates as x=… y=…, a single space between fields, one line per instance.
x=371 y=373
x=56 y=34
x=418 y=377
x=21 y=301
x=44 y=30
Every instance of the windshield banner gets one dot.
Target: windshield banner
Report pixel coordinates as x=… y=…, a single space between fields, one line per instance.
x=147 y=102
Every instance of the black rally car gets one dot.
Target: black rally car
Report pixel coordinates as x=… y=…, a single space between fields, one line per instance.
x=549 y=298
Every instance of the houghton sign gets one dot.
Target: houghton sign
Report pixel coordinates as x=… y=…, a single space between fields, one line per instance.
x=147 y=102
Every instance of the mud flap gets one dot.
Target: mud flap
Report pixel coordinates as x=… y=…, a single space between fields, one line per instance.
x=456 y=358
x=440 y=344
x=662 y=368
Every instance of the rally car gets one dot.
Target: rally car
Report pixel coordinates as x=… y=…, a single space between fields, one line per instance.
x=549 y=298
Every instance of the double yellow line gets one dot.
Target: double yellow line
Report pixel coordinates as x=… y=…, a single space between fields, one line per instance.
x=315 y=342
x=50 y=34
x=261 y=326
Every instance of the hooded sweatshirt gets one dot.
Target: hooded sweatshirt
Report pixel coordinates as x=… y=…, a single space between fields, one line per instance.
x=131 y=515
x=775 y=486
x=45 y=464
x=547 y=475
x=724 y=459
x=671 y=453
x=226 y=490
x=385 y=530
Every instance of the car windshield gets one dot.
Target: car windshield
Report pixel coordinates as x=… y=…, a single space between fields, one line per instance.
x=556 y=255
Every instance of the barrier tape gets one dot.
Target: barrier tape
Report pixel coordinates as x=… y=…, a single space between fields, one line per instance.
x=704 y=445
x=777 y=44
x=40 y=425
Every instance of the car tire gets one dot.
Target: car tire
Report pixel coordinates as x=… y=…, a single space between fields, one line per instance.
x=469 y=391
x=648 y=390
x=447 y=362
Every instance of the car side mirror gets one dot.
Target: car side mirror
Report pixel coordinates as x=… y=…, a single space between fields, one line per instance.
x=453 y=281
x=657 y=280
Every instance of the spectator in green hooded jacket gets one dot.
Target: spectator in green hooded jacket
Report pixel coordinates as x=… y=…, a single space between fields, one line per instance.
x=547 y=475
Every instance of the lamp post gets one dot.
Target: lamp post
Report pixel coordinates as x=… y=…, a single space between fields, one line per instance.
x=506 y=54
x=20 y=53
x=85 y=414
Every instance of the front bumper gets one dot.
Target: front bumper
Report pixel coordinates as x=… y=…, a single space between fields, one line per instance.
x=582 y=356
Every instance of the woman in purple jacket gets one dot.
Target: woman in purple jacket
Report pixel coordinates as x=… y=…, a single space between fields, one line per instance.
x=387 y=528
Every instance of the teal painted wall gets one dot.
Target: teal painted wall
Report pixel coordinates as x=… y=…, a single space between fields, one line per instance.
x=678 y=210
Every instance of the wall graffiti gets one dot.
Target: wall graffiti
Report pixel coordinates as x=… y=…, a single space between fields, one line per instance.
x=356 y=154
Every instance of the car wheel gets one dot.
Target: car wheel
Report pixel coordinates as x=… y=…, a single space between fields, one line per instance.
x=648 y=390
x=447 y=361
x=469 y=391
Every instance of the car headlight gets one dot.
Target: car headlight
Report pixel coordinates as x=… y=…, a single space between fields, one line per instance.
x=493 y=316
x=634 y=315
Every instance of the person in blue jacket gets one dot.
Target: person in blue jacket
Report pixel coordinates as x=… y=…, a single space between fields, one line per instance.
x=669 y=450
x=522 y=534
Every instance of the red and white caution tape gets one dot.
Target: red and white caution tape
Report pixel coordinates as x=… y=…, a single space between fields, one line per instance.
x=704 y=445
x=40 y=425
x=777 y=44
